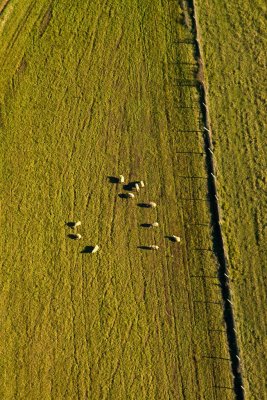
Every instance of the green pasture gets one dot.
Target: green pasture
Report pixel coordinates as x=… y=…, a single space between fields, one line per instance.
x=91 y=90
x=234 y=45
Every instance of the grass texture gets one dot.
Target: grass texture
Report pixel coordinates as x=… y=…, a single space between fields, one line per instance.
x=91 y=90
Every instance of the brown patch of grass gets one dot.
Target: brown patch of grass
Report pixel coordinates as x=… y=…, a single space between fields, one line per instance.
x=186 y=15
x=3 y=4
x=22 y=66
x=200 y=72
x=45 y=21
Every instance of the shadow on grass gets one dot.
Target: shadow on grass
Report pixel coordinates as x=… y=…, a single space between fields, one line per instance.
x=217 y=358
x=113 y=179
x=88 y=249
x=204 y=276
x=124 y=195
x=130 y=186
x=72 y=236
x=70 y=224
x=144 y=205
x=170 y=238
x=145 y=225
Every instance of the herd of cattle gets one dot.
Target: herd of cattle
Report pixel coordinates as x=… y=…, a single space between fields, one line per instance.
x=135 y=186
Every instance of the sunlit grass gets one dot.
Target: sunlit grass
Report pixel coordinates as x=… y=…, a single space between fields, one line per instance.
x=92 y=91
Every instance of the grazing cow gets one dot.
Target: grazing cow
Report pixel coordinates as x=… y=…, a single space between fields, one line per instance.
x=154 y=224
x=137 y=188
x=176 y=238
x=126 y=195
x=153 y=247
x=151 y=204
x=141 y=183
x=95 y=249
x=121 y=179
x=76 y=236
x=78 y=223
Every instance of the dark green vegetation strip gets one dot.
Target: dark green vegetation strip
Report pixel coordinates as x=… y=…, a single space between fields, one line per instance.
x=234 y=43
x=92 y=90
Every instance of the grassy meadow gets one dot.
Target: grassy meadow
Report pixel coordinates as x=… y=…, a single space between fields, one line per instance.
x=90 y=90
x=234 y=42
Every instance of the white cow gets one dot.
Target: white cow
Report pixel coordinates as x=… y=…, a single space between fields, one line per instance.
x=77 y=236
x=153 y=247
x=137 y=188
x=176 y=238
x=95 y=249
x=141 y=183
x=121 y=179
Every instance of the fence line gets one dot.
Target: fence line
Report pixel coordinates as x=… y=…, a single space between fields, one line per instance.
x=218 y=243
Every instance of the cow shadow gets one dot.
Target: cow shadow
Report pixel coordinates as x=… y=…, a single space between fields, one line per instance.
x=87 y=249
x=170 y=238
x=72 y=236
x=123 y=195
x=70 y=224
x=143 y=205
x=113 y=179
x=130 y=186
x=145 y=225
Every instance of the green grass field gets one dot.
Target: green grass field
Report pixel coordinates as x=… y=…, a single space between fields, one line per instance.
x=234 y=44
x=90 y=90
